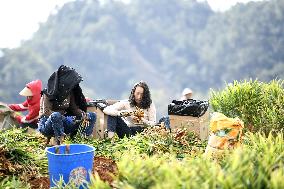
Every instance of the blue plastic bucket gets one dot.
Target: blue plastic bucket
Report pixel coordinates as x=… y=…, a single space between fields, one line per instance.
x=73 y=166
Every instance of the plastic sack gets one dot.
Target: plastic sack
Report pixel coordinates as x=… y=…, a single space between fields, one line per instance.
x=100 y=103
x=190 y=107
x=6 y=120
x=225 y=133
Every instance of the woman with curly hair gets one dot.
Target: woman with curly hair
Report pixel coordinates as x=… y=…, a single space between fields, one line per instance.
x=128 y=117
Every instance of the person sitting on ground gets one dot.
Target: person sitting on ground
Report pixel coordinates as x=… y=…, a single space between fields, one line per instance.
x=31 y=104
x=186 y=95
x=128 y=117
x=63 y=107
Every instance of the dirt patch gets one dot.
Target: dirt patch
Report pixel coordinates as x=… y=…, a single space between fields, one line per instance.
x=105 y=168
x=40 y=183
x=6 y=166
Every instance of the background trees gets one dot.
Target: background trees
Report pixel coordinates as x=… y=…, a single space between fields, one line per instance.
x=170 y=44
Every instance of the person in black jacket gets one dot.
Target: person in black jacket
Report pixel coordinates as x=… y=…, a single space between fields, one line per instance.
x=63 y=107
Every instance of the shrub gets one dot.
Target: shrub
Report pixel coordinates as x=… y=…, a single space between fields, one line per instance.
x=260 y=105
x=258 y=164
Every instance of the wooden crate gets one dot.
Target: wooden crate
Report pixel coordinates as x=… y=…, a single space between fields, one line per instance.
x=101 y=122
x=199 y=125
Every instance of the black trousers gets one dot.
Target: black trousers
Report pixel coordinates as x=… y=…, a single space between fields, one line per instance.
x=116 y=124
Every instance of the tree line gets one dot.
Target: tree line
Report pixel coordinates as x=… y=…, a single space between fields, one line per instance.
x=171 y=44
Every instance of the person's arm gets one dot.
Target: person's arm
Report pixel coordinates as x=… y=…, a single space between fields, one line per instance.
x=74 y=108
x=32 y=115
x=19 y=107
x=116 y=108
x=151 y=117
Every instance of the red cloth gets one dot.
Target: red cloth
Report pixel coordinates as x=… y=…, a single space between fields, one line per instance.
x=19 y=107
x=31 y=104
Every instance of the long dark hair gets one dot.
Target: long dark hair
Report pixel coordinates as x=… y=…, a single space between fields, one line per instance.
x=146 y=100
x=80 y=99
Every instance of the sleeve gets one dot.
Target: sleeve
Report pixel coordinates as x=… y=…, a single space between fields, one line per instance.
x=32 y=115
x=74 y=108
x=19 y=107
x=115 y=109
x=151 y=116
x=19 y=118
x=22 y=119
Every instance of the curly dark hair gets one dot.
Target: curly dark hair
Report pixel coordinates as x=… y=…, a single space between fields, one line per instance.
x=146 y=100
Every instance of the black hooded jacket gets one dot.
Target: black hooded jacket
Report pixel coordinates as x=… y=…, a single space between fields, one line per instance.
x=61 y=83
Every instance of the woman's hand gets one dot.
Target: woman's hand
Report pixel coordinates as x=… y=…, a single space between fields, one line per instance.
x=124 y=113
x=84 y=116
x=135 y=119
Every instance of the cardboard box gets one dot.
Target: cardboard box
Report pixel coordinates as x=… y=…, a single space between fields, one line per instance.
x=101 y=122
x=199 y=125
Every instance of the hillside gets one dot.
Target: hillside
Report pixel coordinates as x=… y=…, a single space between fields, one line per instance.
x=170 y=44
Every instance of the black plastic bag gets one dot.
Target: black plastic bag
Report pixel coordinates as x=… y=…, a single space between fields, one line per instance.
x=101 y=103
x=190 y=107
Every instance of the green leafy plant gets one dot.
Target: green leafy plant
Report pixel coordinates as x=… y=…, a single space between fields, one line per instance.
x=257 y=164
x=13 y=183
x=260 y=105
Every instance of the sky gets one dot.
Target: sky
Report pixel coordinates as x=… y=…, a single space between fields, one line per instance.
x=19 y=19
